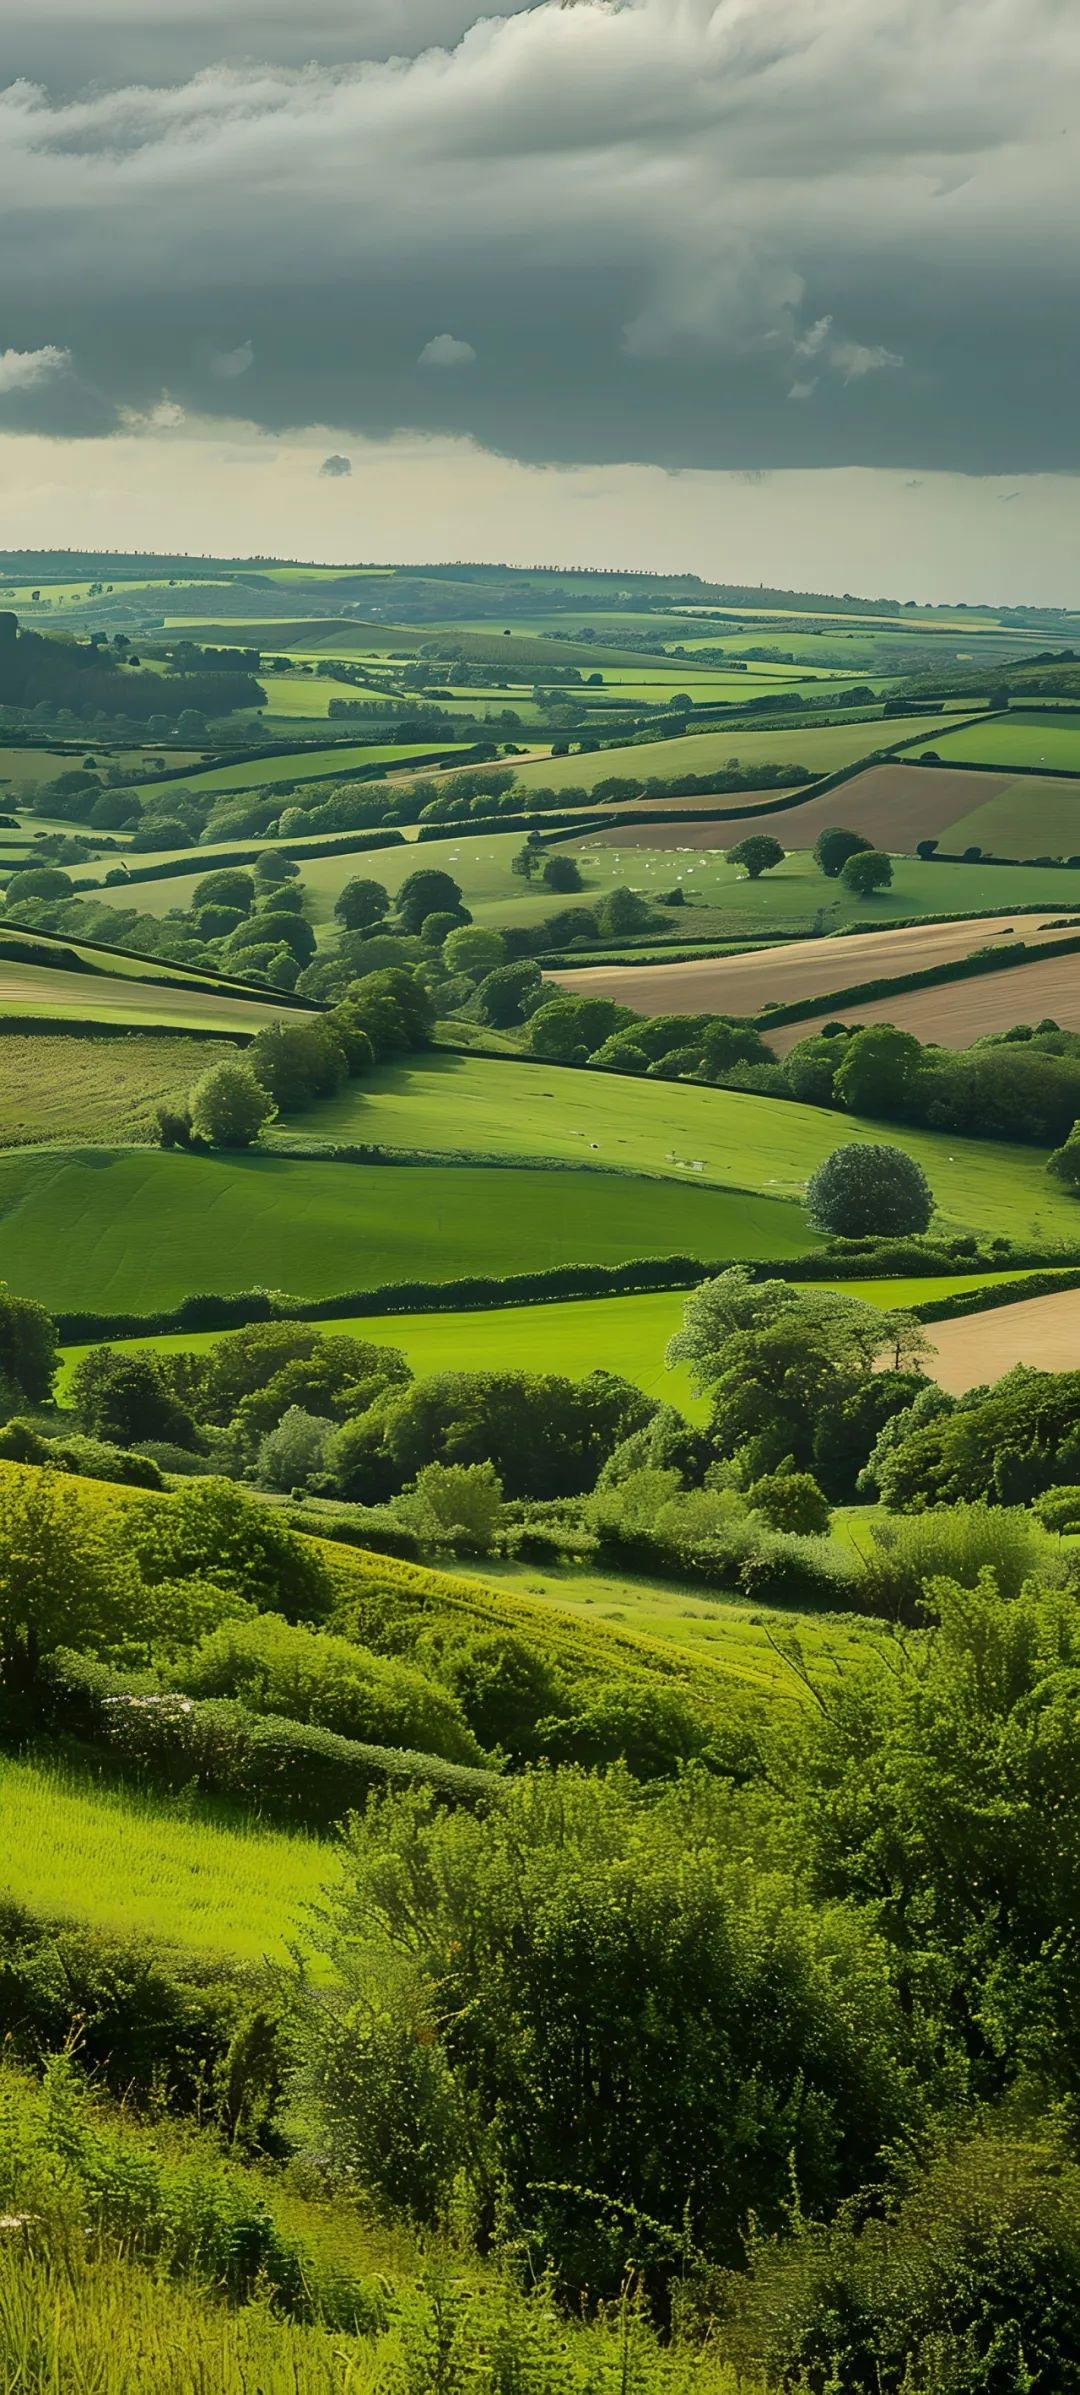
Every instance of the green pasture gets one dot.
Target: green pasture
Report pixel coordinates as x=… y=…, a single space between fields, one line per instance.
x=35 y=990
x=79 y=1088
x=140 y=1229
x=795 y=896
x=30 y=767
x=135 y=1865
x=823 y=748
x=766 y=1145
x=1031 y=817
x=304 y=765
x=1014 y=739
x=576 y=1336
x=745 y=1645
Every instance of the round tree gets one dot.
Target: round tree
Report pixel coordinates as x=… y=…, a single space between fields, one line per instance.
x=474 y=951
x=361 y=904
x=758 y=853
x=867 y=871
x=229 y=1107
x=834 y=846
x=868 y=1191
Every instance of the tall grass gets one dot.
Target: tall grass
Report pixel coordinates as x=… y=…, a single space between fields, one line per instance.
x=77 y=1849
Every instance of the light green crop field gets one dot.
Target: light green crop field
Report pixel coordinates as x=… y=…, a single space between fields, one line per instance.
x=142 y=1228
x=57 y=1088
x=32 y=766
x=1032 y=817
x=138 y=1866
x=300 y=694
x=744 y=1644
x=306 y=764
x=1014 y=739
x=823 y=748
x=34 y=990
x=577 y=1336
x=754 y=1143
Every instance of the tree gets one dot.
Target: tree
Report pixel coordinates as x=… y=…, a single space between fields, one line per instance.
x=866 y=872
x=360 y=904
x=566 y=1029
x=622 y=912
x=297 y=1062
x=294 y=1449
x=65 y=1578
x=879 y=1072
x=122 y=1395
x=273 y=929
x=509 y=994
x=562 y=873
x=456 y=1504
x=474 y=951
x=213 y=1531
x=868 y=1191
x=834 y=846
x=790 y=1501
x=29 y=1356
x=38 y=881
x=229 y=1107
x=1064 y=1164
x=436 y=928
x=429 y=892
x=758 y=854
x=228 y=887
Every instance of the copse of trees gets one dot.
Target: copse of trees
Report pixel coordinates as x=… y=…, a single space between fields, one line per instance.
x=834 y=846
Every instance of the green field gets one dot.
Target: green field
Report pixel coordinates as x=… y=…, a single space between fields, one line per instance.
x=794 y=898
x=57 y=1088
x=752 y=1143
x=1031 y=816
x=823 y=748
x=305 y=764
x=627 y=1335
x=141 y=1867
x=37 y=990
x=1014 y=739
x=142 y=1228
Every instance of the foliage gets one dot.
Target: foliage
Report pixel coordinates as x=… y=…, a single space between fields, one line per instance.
x=518 y=2047
x=273 y=1666
x=790 y=1501
x=868 y=1190
x=28 y=1356
x=229 y=1107
x=867 y=872
x=759 y=853
x=459 y=1505
x=121 y=1395
x=212 y=1530
x=834 y=846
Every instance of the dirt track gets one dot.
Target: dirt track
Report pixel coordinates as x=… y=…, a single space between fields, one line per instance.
x=742 y=985
x=1043 y=1331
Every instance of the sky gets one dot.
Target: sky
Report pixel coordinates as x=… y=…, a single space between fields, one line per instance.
x=778 y=290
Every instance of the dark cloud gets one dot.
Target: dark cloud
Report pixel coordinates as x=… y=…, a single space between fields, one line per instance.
x=335 y=467
x=686 y=232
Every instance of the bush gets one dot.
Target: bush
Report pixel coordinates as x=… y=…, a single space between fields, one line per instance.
x=272 y=1666
x=213 y=1531
x=790 y=1501
x=957 y=1543
x=455 y=1505
x=1058 y=1509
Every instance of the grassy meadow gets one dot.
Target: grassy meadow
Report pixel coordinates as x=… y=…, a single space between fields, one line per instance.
x=760 y=1145
x=141 y=1229
x=575 y=1336
x=52 y=1088
x=185 y=1874
x=1014 y=739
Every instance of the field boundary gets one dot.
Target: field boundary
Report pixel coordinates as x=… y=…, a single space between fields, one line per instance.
x=961 y=968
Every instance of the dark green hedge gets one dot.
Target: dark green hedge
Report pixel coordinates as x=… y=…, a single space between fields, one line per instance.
x=291 y=1770
x=1000 y=1293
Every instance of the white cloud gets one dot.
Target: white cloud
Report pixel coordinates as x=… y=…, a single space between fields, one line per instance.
x=229 y=364
x=445 y=350
x=24 y=369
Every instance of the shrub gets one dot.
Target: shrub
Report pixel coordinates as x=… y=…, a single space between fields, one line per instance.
x=213 y=1531
x=272 y=1666
x=456 y=1505
x=291 y=1769
x=957 y=1543
x=290 y=1455
x=790 y=1501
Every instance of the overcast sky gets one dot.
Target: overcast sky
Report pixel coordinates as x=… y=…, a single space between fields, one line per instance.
x=778 y=289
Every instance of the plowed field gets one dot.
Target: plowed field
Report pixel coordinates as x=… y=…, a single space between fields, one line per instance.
x=1042 y=1331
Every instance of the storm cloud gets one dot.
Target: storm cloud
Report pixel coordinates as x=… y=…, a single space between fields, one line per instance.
x=744 y=234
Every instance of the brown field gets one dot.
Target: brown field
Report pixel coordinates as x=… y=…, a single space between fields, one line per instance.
x=961 y=1011
x=57 y=1088
x=895 y=806
x=1042 y=1331
x=743 y=985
